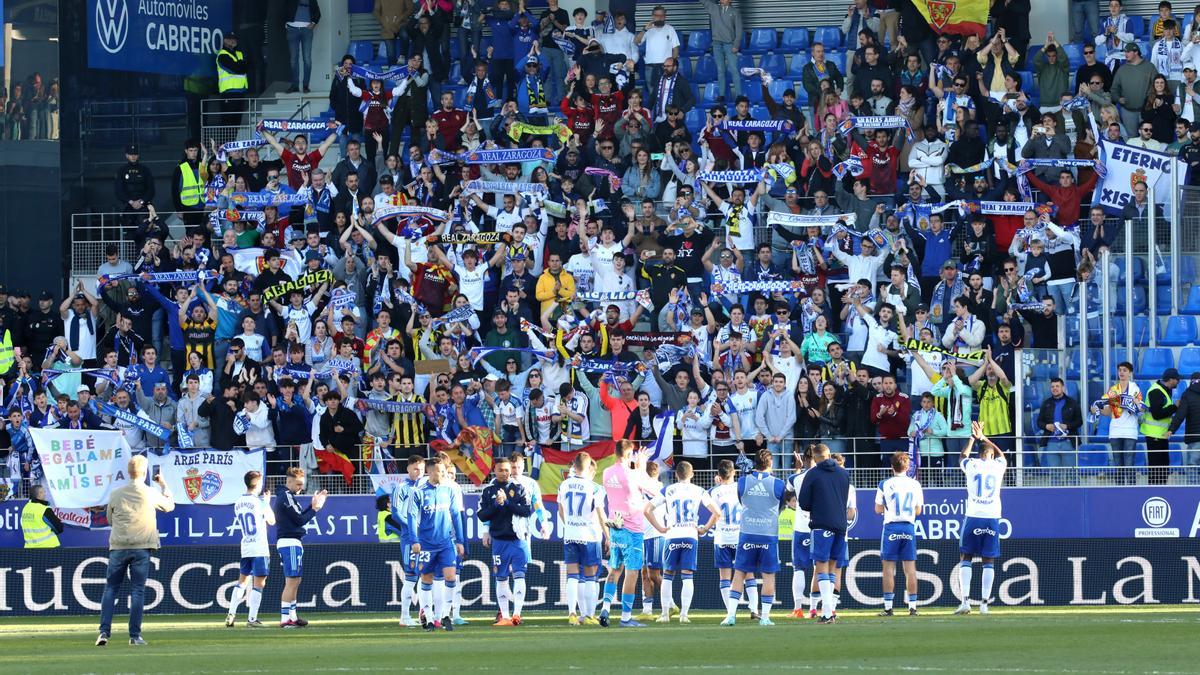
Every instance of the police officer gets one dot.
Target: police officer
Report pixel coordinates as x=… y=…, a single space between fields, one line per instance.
x=187 y=186
x=232 y=81
x=134 y=187
x=42 y=326
x=1160 y=408
x=38 y=522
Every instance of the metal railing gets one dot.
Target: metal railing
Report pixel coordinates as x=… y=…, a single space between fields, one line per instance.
x=106 y=127
x=92 y=233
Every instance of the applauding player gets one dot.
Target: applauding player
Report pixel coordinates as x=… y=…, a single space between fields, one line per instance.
x=823 y=493
x=291 y=520
x=682 y=501
x=253 y=514
x=761 y=495
x=501 y=506
x=900 y=500
x=981 y=524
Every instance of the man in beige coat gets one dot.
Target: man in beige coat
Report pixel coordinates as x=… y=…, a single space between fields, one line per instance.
x=393 y=17
x=131 y=513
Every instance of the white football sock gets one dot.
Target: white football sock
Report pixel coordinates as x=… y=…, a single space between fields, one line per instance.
x=572 y=593
x=406 y=599
x=666 y=590
x=964 y=580
x=235 y=598
x=518 y=595
x=798 y=589
x=254 y=602
x=989 y=576
x=826 y=586
x=752 y=594
x=685 y=596
x=503 y=594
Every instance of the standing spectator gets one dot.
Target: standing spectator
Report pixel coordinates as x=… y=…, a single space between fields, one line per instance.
x=1122 y=404
x=774 y=416
x=301 y=17
x=1052 y=70
x=298 y=161
x=662 y=42
x=552 y=27
x=500 y=53
x=81 y=323
x=134 y=188
x=425 y=40
x=726 y=25
x=1131 y=84
x=1187 y=415
x=1156 y=422
x=1059 y=421
x=187 y=186
x=345 y=104
x=891 y=411
x=411 y=107
x=393 y=17
x=1085 y=21
x=134 y=535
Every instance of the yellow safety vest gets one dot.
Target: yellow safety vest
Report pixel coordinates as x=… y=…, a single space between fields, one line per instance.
x=787 y=521
x=1151 y=427
x=227 y=81
x=38 y=533
x=6 y=351
x=190 y=187
x=381 y=530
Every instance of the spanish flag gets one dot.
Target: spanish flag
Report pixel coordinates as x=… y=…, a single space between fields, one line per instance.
x=556 y=465
x=471 y=452
x=332 y=461
x=961 y=17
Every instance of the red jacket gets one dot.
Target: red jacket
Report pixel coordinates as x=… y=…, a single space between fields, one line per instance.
x=890 y=415
x=581 y=122
x=1066 y=199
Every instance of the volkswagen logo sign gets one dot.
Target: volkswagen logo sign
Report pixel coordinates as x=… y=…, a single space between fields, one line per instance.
x=112 y=24
x=1156 y=512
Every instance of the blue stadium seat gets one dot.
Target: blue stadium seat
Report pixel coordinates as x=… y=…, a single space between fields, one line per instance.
x=1178 y=331
x=794 y=40
x=699 y=42
x=1031 y=52
x=1093 y=459
x=745 y=60
x=1189 y=361
x=796 y=66
x=705 y=70
x=455 y=70
x=1074 y=56
x=1192 y=305
x=1187 y=270
x=1139 y=269
x=774 y=64
x=1027 y=84
x=1116 y=326
x=1139 y=300
x=685 y=68
x=1073 y=389
x=1162 y=300
x=752 y=90
x=762 y=40
x=830 y=36
x=1154 y=361
x=1175 y=453
x=1138 y=26
x=709 y=96
x=1141 y=331
x=759 y=112
x=362 y=50
x=694 y=119
x=778 y=86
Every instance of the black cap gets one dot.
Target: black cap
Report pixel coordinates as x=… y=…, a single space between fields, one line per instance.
x=231 y=35
x=1170 y=374
x=132 y=149
x=3 y=289
x=45 y=296
x=1195 y=127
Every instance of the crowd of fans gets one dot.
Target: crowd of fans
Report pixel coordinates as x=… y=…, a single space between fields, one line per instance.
x=29 y=110
x=625 y=271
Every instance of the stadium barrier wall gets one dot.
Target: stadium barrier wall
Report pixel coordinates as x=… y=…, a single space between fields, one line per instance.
x=1160 y=512
x=367 y=577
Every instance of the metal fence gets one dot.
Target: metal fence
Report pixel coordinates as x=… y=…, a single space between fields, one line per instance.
x=224 y=120
x=106 y=127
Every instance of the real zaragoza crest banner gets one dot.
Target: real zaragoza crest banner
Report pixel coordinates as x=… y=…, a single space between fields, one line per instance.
x=962 y=17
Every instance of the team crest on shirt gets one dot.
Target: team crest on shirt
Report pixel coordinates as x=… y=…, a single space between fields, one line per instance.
x=940 y=12
x=202 y=487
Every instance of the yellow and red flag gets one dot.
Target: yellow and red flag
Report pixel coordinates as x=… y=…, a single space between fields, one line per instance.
x=332 y=461
x=961 y=17
x=471 y=452
x=556 y=465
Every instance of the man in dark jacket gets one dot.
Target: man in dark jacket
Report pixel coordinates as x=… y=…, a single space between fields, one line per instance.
x=502 y=506
x=425 y=40
x=672 y=89
x=290 y=520
x=824 y=493
x=187 y=187
x=1059 y=421
x=1187 y=415
x=134 y=187
x=220 y=411
x=293 y=421
x=340 y=427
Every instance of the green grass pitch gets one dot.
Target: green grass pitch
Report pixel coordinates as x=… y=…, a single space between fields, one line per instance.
x=1077 y=640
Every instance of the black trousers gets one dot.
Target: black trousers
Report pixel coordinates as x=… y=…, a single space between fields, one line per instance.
x=1158 y=459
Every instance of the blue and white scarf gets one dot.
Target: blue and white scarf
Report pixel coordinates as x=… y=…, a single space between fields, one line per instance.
x=261 y=200
x=876 y=122
x=133 y=419
x=922 y=419
x=807 y=220
x=731 y=177
x=614 y=296
x=401 y=407
x=179 y=277
x=506 y=187
x=660 y=449
x=598 y=366
x=784 y=126
x=477 y=353
x=368 y=73
x=495 y=156
x=780 y=286
x=666 y=92
x=184 y=436
x=342 y=298
x=852 y=164
x=1077 y=103
x=453 y=316
x=388 y=211
x=298 y=126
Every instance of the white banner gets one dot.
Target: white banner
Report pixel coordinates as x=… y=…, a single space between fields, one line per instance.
x=207 y=476
x=82 y=467
x=1127 y=166
x=252 y=261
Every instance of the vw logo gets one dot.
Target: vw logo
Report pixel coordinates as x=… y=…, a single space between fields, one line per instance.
x=112 y=24
x=1156 y=512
